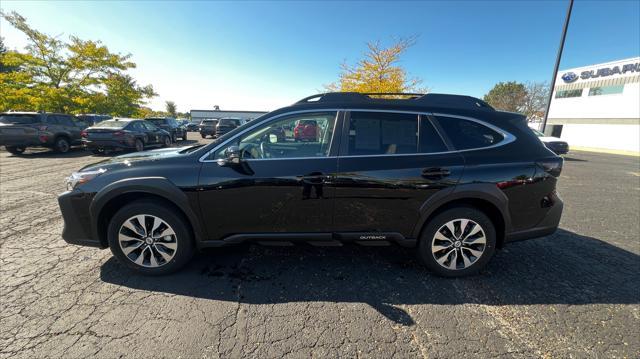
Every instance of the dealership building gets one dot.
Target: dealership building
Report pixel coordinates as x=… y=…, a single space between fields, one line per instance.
x=598 y=106
x=199 y=115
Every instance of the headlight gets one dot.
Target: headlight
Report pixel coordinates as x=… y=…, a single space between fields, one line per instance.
x=77 y=178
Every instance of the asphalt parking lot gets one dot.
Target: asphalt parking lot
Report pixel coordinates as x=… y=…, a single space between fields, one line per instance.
x=573 y=294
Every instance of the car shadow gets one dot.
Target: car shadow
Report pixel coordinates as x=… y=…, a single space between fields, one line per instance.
x=38 y=152
x=565 y=268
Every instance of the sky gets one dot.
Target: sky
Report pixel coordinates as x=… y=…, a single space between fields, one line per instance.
x=265 y=55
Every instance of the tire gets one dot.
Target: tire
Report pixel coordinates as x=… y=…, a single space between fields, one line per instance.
x=15 y=150
x=139 y=145
x=178 y=247
x=184 y=136
x=456 y=253
x=174 y=138
x=203 y=135
x=97 y=151
x=62 y=145
x=166 y=141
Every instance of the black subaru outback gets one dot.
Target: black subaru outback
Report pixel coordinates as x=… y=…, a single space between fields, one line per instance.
x=447 y=175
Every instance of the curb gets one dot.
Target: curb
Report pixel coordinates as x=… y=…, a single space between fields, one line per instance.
x=605 y=150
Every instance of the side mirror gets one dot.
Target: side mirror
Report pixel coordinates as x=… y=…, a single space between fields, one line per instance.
x=232 y=156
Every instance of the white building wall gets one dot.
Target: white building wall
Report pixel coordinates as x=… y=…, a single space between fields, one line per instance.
x=607 y=121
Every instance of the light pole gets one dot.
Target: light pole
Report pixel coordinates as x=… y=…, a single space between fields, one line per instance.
x=555 y=69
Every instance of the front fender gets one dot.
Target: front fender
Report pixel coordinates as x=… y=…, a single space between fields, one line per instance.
x=158 y=186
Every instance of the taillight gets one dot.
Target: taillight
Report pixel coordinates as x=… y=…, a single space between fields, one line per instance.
x=84 y=134
x=43 y=128
x=118 y=133
x=551 y=165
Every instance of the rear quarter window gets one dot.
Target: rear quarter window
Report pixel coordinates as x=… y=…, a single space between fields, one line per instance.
x=466 y=134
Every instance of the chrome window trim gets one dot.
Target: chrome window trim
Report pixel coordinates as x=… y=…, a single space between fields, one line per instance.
x=507 y=137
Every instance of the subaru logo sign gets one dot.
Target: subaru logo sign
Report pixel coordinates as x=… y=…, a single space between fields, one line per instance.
x=569 y=77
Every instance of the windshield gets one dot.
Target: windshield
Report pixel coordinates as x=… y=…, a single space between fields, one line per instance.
x=156 y=121
x=111 y=124
x=209 y=122
x=229 y=122
x=18 y=119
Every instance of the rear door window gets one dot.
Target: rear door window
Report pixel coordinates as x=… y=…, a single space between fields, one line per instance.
x=382 y=133
x=467 y=134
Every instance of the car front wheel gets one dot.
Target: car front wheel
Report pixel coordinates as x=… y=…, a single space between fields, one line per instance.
x=457 y=242
x=150 y=238
x=139 y=145
x=166 y=141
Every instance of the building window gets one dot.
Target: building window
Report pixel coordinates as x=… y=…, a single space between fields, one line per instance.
x=569 y=93
x=606 y=90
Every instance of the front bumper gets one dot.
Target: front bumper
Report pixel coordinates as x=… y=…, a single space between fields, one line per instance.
x=547 y=226
x=74 y=206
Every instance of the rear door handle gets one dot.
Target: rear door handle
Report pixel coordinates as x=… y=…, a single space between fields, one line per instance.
x=435 y=172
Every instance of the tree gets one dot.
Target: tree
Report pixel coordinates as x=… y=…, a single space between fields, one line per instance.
x=73 y=76
x=378 y=71
x=171 y=108
x=507 y=96
x=535 y=101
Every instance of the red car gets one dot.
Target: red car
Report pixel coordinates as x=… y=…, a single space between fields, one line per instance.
x=306 y=130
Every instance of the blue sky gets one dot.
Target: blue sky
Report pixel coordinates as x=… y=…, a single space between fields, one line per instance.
x=265 y=55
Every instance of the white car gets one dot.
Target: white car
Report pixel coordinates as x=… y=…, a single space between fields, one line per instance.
x=558 y=146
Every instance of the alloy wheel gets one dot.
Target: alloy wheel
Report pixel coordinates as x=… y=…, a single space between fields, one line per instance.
x=458 y=244
x=147 y=241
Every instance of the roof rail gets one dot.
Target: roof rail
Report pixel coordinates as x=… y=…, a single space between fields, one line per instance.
x=431 y=99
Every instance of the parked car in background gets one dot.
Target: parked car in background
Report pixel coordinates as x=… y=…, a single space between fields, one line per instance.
x=306 y=130
x=19 y=130
x=192 y=126
x=124 y=134
x=446 y=175
x=208 y=128
x=93 y=119
x=170 y=125
x=558 y=146
x=227 y=124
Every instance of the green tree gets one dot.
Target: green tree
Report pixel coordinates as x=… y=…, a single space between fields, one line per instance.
x=171 y=108
x=73 y=76
x=378 y=71
x=507 y=96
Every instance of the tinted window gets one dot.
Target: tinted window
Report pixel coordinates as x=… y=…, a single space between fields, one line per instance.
x=149 y=126
x=430 y=140
x=156 y=121
x=229 y=122
x=136 y=126
x=606 y=90
x=65 y=120
x=18 y=119
x=468 y=134
x=569 y=93
x=112 y=124
x=374 y=133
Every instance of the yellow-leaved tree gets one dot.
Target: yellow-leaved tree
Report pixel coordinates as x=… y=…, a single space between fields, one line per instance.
x=378 y=71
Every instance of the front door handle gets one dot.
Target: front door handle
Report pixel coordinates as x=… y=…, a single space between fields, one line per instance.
x=435 y=172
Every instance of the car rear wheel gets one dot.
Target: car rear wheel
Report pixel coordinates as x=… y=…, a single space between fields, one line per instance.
x=174 y=138
x=16 y=150
x=203 y=135
x=166 y=141
x=62 y=145
x=150 y=238
x=139 y=145
x=457 y=242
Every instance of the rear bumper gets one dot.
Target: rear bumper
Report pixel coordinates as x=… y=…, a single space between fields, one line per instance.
x=96 y=144
x=74 y=206
x=547 y=226
x=25 y=141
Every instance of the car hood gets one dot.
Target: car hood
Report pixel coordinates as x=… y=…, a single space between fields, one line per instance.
x=137 y=158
